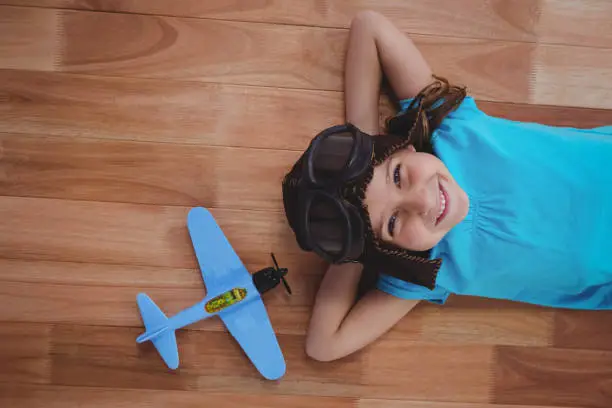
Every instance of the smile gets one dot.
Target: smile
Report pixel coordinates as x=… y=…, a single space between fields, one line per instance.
x=444 y=201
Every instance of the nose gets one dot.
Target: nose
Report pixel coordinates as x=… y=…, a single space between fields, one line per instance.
x=418 y=201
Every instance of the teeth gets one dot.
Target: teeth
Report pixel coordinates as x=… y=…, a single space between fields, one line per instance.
x=442 y=203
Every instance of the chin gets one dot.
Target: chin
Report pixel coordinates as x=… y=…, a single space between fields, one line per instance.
x=457 y=204
x=461 y=207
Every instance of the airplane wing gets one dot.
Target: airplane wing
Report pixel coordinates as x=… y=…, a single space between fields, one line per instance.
x=219 y=264
x=222 y=269
x=251 y=327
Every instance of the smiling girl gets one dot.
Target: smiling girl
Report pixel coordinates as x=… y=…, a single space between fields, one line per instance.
x=449 y=200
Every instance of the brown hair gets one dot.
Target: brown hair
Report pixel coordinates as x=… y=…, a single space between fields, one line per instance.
x=425 y=113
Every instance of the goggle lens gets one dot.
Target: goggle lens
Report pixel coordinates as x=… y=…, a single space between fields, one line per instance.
x=327 y=225
x=331 y=157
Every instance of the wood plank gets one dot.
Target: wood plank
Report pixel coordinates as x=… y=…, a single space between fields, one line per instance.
x=42 y=396
x=28 y=38
x=165 y=47
x=148 y=173
x=460 y=18
x=488 y=325
x=492 y=70
x=104 y=295
x=45 y=396
x=572 y=76
x=24 y=352
x=301 y=57
x=163 y=111
x=545 y=21
x=551 y=115
x=585 y=22
x=195 y=113
x=109 y=357
x=559 y=377
x=130 y=234
x=109 y=276
x=114 y=304
x=453 y=373
x=583 y=329
x=90 y=274
x=387 y=403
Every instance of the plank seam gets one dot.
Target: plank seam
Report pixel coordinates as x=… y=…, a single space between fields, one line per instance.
x=280 y=23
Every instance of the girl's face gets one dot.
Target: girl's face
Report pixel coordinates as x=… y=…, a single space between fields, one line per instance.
x=413 y=200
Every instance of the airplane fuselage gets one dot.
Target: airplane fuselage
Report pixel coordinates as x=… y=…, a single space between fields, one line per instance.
x=207 y=307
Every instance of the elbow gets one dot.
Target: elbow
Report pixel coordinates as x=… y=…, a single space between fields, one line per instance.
x=319 y=352
x=365 y=19
x=320 y=349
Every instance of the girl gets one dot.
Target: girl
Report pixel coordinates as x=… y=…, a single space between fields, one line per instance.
x=451 y=200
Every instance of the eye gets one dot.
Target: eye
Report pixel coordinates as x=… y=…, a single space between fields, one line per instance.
x=396 y=176
x=391 y=224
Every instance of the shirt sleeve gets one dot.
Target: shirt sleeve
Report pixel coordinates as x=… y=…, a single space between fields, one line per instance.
x=406 y=290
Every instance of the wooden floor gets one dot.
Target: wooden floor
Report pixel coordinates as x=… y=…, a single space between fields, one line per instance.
x=116 y=117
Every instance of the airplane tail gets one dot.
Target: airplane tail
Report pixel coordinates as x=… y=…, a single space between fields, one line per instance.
x=157 y=330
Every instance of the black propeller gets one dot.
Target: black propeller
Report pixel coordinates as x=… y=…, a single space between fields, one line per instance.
x=268 y=278
x=281 y=273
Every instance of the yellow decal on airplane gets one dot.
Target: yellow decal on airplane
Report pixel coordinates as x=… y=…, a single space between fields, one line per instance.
x=224 y=300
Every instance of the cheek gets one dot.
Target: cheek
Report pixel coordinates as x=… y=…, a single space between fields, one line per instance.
x=421 y=171
x=414 y=236
x=425 y=166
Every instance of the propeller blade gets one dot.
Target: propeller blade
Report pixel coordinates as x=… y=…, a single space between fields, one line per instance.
x=274 y=260
x=286 y=285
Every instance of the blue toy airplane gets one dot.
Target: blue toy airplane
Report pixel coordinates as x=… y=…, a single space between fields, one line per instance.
x=233 y=294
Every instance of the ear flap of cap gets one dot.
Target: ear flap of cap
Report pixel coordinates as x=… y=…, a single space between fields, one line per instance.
x=413 y=267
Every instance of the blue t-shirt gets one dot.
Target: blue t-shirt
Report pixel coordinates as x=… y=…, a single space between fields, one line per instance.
x=539 y=227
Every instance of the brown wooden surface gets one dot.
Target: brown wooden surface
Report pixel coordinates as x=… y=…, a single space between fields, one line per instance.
x=550 y=21
x=305 y=57
x=117 y=117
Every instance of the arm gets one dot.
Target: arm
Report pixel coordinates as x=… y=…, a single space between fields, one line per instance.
x=375 y=47
x=338 y=326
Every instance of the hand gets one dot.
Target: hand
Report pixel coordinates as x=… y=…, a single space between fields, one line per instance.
x=375 y=47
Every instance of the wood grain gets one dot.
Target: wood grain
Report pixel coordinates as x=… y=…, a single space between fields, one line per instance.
x=194 y=113
x=398 y=370
x=560 y=377
x=572 y=22
x=265 y=55
x=96 y=302
x=211 y=51
x=583 y=329
x=104 y=295
x=29 y=38
x=492 y=70
x=551 y=115
x=572 y=76
x=385 y=403
x=24 y=355
x=149 y=173
x=545 y=21
x=117 y=117
x=44 y=396
x=532 y=327
x=41 y=396
x=163 y=111
x=109 y=357
x=487 y=19
x=129 y=234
